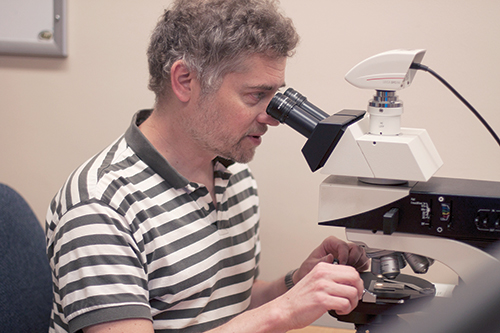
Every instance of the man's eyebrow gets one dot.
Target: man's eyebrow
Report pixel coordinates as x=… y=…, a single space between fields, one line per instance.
x=266 y=87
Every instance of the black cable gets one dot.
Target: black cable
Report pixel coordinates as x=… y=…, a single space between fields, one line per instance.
x=443 y=81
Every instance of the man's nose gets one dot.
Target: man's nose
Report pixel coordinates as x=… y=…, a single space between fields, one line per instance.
x=264 y=118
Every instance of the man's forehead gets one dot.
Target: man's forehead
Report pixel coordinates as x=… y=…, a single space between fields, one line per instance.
x=263 y=72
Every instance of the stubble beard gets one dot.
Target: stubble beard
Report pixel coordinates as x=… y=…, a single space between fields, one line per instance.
x=207 y=129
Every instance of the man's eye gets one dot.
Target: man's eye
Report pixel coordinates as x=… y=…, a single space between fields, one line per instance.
x=259 y=95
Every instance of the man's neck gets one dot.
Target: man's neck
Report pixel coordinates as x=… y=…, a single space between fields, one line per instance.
x=165 y=132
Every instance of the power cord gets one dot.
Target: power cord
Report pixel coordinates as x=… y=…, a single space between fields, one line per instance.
x=456 y=93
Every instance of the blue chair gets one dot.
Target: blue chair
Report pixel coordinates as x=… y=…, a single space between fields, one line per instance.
x=25 y=276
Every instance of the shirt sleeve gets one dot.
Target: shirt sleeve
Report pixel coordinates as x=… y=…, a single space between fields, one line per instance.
x=99 y=267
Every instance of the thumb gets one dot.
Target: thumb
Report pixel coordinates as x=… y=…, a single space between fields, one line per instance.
x=328 y=258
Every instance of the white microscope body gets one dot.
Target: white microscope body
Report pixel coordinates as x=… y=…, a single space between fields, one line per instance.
x=375 y=164
x=377 y=151
x=381 y=189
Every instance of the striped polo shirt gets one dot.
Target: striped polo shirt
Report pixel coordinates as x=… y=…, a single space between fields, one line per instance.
x=129 y=237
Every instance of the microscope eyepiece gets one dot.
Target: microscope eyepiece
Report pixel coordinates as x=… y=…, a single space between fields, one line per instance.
x=302 y=101
x=287 y=111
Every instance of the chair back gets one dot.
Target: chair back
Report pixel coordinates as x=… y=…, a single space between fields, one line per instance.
x=25 y=277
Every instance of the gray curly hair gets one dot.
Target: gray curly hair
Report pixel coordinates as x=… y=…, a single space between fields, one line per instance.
x=212 y=37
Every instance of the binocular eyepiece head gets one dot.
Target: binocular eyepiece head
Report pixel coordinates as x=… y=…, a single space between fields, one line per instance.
x=293 y=109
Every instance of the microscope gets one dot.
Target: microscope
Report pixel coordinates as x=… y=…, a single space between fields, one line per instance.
x=381 y=189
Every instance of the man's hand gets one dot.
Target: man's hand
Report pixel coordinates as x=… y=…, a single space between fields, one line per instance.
x=326 y=287
x=321 y=286
x=333 y=248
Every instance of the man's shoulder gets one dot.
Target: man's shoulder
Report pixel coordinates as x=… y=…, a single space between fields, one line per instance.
x=92 y=178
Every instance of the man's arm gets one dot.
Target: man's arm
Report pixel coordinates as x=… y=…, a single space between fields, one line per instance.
x=320 y=287
x=122 y=326
x=326 y=287
x=332 y=247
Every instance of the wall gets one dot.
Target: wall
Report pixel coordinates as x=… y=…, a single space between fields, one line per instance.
x=56 y=113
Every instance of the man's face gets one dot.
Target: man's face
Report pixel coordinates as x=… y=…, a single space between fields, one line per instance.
x=230 y=122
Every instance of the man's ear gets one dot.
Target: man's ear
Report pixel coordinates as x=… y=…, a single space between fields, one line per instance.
x=182 y=80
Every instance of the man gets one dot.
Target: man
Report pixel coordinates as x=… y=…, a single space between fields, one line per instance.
x=160 y=231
